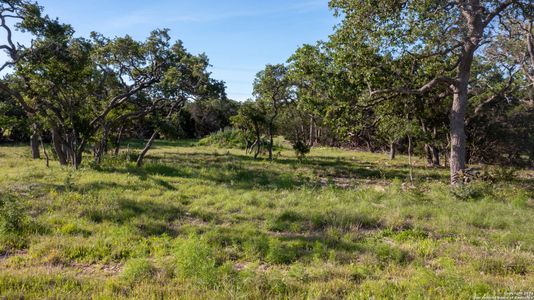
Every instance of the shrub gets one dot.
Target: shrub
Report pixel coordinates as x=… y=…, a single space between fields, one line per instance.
x=468 y=192
x=301 y=149
x=195 y=260
x=283 y=253
x=390 y=254
x=232 y=138
x=12 y=218
x=500 y=173
x=359 y=274
x=257 y=246
x=137 y=270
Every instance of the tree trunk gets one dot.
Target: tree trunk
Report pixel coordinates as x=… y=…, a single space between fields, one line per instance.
x=118 y=141
x=311 y=132
x=145 y=150
x=258 y=141
x=435 y=154
x=34 y=143
x=258 y=148
x=271 y=142
x=44 y=152
x=410 y=150
x=59 y=147
x=457 y=128
x=392 y=150
x=369 y=147
x=429 y=157
x=79 y=154
x=102 y=146
x=475 y=30
x=458 y=138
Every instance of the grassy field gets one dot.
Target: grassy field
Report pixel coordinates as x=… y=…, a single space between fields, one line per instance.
x=198 y=222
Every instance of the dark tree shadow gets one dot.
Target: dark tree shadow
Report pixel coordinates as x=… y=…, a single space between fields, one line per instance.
x=244 y=172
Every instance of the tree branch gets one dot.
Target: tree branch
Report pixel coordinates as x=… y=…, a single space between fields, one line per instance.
x=496 y=12
x=17 y=97
x=420 y=91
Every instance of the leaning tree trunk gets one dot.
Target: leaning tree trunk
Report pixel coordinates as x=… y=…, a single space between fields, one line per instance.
x=392 y=150
x=145 y=150
x=59 y=147
x=44 y=152
x=34 y=143
x=429 y=157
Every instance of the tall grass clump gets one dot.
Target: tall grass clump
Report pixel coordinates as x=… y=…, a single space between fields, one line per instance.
x=195 y=260
x=138 y=269
x=13 y=223
x=12 y=217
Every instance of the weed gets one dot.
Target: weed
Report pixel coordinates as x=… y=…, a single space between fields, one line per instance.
x=138 y=269
x=195 y=260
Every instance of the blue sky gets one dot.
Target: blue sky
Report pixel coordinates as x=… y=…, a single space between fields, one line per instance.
x=239 y=36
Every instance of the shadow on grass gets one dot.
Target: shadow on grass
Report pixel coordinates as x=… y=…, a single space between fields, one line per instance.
x=151 y=218
x=140 y=144
x=244 y=172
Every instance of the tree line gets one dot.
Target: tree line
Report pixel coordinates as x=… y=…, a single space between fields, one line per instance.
x=450 y=80
x=83 y=91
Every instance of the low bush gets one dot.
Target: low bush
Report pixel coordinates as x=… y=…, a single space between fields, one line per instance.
x=138 y=269
x=301 y=149
x=12 y=217
x=470 y=191
x=283 y=252
x=225 y=139
x=195 y=260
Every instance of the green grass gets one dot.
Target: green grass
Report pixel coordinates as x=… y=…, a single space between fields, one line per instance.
x=212 y=223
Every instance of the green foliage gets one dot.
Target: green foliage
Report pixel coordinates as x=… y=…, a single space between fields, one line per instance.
x=195 y=260
x=136 y=270
x=301 y=149
x=12 y=214
x=467 y=192
x=283 y=252
x=503 y=266
x=231 y=138
x=498 y=174
x=287 y=221
x=14 y=223
x=198 y=224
